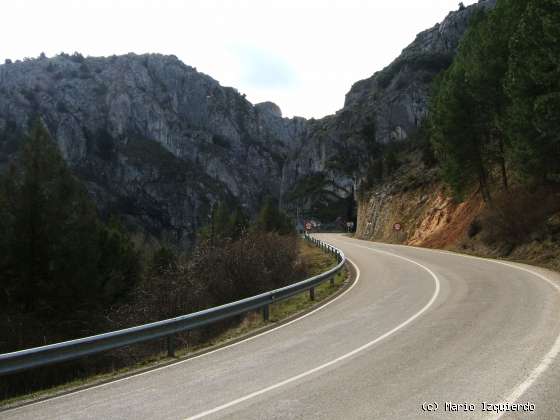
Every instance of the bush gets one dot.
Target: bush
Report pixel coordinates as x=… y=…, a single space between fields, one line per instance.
x=212 y=276
x=514 y=217
x=474 y=228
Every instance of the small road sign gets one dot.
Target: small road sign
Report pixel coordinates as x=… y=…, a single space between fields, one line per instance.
x=397 y=227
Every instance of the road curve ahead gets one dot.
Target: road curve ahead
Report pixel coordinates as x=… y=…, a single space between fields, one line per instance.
x=418 y=329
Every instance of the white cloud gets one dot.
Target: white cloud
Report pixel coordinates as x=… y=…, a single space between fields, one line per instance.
x=302 y=54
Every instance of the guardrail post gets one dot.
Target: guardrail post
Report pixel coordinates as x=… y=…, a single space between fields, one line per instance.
x=312 y=293
x=170 y=346
x=332 y=281
x=266 y=313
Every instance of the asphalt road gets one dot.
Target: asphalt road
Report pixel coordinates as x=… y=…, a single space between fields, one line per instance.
x=418 y=328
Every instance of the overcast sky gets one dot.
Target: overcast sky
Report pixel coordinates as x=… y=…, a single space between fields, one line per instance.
x=303 y=55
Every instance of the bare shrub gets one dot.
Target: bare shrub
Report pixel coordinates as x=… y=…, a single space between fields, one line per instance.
x=515 y=217
x=213 y=275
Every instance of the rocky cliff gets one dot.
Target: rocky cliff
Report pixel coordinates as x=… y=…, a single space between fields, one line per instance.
x=397 y=96
x=158 y=142
x=388 y=107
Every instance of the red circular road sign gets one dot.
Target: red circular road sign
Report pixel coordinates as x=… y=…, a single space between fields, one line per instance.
x=397 y=226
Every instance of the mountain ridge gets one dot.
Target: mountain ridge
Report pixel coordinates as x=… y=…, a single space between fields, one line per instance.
x=158 y=142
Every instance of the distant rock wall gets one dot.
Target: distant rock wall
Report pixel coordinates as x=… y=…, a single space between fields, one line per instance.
x=158 y=142
x=397 y=96
x=155 y=140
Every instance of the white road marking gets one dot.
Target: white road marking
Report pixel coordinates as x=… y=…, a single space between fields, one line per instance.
x=229 y=346
x=545 y=362
x=549 y=356
x=344 y=356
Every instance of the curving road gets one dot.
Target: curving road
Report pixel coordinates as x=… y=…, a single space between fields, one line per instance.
x=418 y=328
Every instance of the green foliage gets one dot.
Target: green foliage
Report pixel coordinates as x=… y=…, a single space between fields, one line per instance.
x=238 y=223
x=391 y=161
x=495 y=109
x=58 y=262
x=119 y=261
x=308 y=186
x=381 y=160
x=458 y=147
x=163 y=260
x=533 y=86
x=77 y=57
x=421 y=140
x=227 y=223
x=272 y=219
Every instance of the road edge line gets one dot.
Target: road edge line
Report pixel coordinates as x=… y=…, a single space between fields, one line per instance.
x=344 y=356
x=251 y=336
x=548 y=358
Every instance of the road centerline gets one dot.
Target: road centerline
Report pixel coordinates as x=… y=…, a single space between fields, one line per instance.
x=548 y=358
x=346 y=355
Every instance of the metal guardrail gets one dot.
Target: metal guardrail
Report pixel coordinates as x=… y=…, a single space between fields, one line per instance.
x=73 y=349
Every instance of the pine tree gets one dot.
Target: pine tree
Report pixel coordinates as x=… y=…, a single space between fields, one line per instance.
x=469 y=123
x=533 y=86
x=53 y=243
x=238 y=223
x=271 y=219
x=459 y=148
x=58 y=261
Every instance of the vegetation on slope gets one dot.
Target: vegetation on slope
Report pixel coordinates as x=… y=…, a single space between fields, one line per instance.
x=492 y=132
x=494 y=114
x=65 y=273
x=494 y=122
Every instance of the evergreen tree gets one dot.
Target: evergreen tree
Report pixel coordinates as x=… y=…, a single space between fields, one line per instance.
x=459 y=148
x=221 y=221
x=163 y=260
x=468 y=109
x=58 y=261
x=238 y=223
x=271 y=219
x=533 y=85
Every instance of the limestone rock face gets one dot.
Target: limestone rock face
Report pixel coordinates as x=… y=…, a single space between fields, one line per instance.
x=269 y=107
x=388 y=106
x=158 y=142
x=155 y=140
x=397 y=96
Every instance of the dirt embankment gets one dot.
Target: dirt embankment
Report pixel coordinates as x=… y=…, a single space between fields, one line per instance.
x=514 y=228
x=427 y=215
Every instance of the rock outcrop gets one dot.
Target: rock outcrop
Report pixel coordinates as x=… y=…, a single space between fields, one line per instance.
x=397 y=96
x=389 y=106
x=158 y=142
x=155 y=140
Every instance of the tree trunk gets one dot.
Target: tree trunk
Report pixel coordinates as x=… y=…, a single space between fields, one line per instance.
x=505 y=182
x=483 y=183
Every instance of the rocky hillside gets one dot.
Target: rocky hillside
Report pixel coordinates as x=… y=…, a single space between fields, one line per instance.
x=158 y=142
x=386 y=108
x=493 y=131
x=155 y=140
x=397 y=96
